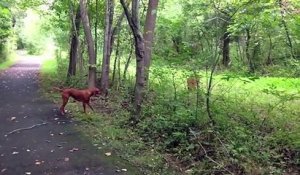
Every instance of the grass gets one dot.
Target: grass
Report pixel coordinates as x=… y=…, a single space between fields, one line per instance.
x=257 y=120
x=49 y=67
x=109 y=136
x=8 y=62
x=104 y=129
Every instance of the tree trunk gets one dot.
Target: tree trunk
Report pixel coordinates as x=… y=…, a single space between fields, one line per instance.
x=176 y=43
x=95 y=29
x=269 y=59
x=134 y=22
x=226 y=49
x=240 y=50
x=116 y=59
x=74 y=44
x=127 y=62
x=80 y=56
x=90 y=44
x=289 y=40
x=116 y=30
x=107 y=46
x=149 y=34
x=119 y=72
x=250 y=61
x=256 y=51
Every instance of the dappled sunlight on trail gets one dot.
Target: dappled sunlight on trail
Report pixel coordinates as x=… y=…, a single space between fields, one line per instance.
x=24 y=58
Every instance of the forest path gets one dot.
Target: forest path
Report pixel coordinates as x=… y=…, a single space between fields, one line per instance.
x=34 y=140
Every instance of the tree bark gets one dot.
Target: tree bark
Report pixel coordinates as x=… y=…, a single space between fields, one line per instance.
x=115 y=62
x=90 y=44
x=95 y=29
x=176 y=43
x=107 y=45
x=74 y=44
x=116 y=29
x=134 y=22
x=80 y=56
x=289 y=40
x=269 y=59
x=127 y=62
x=226 y=49
x=250 y=61
x=149 y=34
x=240 y=50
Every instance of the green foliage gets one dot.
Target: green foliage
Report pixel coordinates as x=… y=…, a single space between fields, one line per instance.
x=7 y=63
x=5 y=31
x=290 y=68
x=106 y=129
x=247 y=130
x=31 y=36
x=52 y=71
x=5 y=23
x=188 y=30
x=257 y=113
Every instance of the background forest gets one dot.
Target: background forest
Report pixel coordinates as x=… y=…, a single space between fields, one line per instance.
x=189 y=86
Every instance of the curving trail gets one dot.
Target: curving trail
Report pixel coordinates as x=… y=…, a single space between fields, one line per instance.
x=33 y=139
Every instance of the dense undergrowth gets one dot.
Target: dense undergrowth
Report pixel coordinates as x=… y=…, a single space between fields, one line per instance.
x=7 y=54
x=256 y=129
x=7 y=62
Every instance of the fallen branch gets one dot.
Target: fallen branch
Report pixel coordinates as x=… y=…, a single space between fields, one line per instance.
x=21 y=129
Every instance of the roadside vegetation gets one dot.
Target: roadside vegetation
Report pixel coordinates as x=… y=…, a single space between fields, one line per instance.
x=256 y=131
x=220 y=93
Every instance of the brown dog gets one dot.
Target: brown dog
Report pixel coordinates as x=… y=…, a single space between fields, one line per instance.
x=81 y=95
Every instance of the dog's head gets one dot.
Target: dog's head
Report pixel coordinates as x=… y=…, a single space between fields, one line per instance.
x=95 y=91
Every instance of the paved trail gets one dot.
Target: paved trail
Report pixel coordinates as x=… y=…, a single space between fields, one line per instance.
x=33 y=139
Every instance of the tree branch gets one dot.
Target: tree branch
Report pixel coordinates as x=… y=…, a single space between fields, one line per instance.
x=27 y=128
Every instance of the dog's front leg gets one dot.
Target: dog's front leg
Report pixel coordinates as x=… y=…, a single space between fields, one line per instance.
x=83 y=104
x=65 y=101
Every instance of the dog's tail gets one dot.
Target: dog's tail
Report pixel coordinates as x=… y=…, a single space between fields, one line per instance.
x=58 y=89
